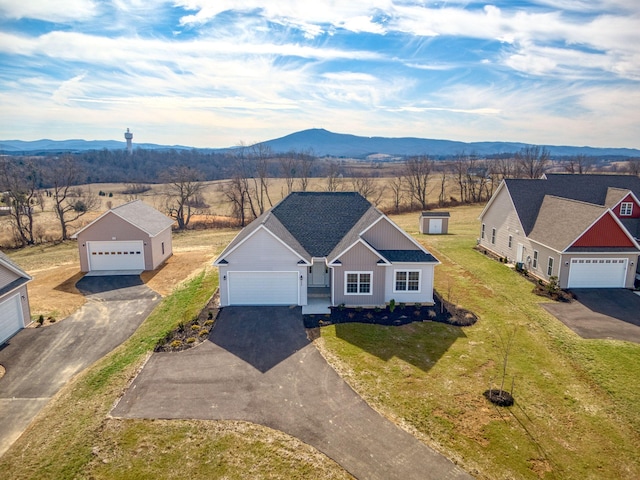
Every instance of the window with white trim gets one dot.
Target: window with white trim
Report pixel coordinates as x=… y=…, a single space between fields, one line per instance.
x=626 y=209
x=482 y=233
x=550 y=267
x=535 y=259
x=493 y=236
x=357 y=283
x=510 y=240
x=407 y=281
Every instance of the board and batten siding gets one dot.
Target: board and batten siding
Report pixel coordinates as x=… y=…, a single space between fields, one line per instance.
x=359 y=259
x=7 y=276
x=385 y=236
x=502 y=216
x=262 y=252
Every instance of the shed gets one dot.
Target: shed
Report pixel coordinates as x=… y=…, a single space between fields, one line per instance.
x=434 y=223
x=14 y=301
x=125 y=240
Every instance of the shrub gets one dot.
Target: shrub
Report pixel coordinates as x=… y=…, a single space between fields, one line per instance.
x=418 y=305
x=210 y=315
x=208 y=323
x=176 y=343
x=41 y=319
x=191 y=340
x=195 y=327
x=341 y=306
x=432 y=314
x=401 y=305
x=392 y=305
x=369 y=315
x=377 y=309
x=203 y=332
x=358 y=309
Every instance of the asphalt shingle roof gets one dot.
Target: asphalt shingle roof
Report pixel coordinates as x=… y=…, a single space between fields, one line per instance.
x=409 y=256
x=143 y=216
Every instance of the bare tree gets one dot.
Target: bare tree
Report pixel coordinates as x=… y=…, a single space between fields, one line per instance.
x=368 y=188
x=396 y=185
x=235 y=190
x=288 y=164
x=504 y=167
x=305 y=164
x=417 y=172
x=533 y=161
x=183 y=187
x=333 y=177
x=442 y=196
x=20 y=181
x=579 y=164
x=259 y=155
x=634 y=166
x=70 y=202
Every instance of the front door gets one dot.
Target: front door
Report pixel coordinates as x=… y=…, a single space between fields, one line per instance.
x=520 y=254
x=319 y=275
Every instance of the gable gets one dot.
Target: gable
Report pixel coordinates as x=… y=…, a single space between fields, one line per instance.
x=384 y=235
x=109 y=226
x=7 y=276
x=359 y=255
x=605 y=232
x=262 y=250
x=635 y=211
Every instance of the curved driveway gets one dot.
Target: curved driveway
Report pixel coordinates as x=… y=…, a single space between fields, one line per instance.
x=39 y=361
x=260 y=367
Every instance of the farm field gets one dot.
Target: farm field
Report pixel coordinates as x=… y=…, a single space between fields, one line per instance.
x=577 y=412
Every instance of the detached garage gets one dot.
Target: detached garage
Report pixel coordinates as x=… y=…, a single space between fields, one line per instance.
x=434 y=223
x=14 y=301
x=598 y=272
x=128 y=239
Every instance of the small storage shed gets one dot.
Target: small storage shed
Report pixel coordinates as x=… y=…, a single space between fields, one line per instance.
x=434 y=223
x=127 y=239
x=14 y=301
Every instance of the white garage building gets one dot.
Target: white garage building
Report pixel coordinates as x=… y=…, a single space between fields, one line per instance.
x=127 y=239
x=14 y=300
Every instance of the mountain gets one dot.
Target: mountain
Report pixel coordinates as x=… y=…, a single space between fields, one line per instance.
x=322 y=143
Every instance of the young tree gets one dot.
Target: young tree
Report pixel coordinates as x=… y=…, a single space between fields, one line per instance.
x=533 y=161
x=70 y=202
x=183 y=187
x=417 y=172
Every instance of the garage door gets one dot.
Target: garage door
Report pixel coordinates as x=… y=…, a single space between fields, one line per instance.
x=10 y=318
x=263 y=288
x=435 y=226
x=116 y=255
x=597 y=272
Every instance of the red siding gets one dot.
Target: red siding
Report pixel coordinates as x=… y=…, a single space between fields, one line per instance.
x=605 y=233
x=635 y=213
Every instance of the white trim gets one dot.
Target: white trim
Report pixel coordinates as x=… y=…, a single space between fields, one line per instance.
x=535 y=260
x=629 y=192
x=395 y=272
x=625 y=205
x=400 y=230
x=358 y=272
x=16 y=270
x=366 y=244
x=260 y=227
x=550 y=263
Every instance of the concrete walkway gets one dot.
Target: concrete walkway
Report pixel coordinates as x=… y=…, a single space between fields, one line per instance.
x=260 y=367
x=40 y=361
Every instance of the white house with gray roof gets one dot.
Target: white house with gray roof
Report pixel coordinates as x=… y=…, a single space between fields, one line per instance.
x=127 y=239
x=14 y=299
x=330 y=245
x=583 y=229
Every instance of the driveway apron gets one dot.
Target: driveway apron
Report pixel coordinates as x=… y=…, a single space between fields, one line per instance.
x=40 y=361
x=260 y=367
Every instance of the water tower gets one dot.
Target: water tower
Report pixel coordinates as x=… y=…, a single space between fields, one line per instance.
x=128 y=137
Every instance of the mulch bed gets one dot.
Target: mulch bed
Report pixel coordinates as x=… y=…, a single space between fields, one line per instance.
x=190 y=334
x=442 y=311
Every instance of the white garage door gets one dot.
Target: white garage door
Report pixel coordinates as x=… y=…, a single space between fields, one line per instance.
x=435 y=226
x=263 y=288
x=597 y=272
x=10 y=317
x=116 y=255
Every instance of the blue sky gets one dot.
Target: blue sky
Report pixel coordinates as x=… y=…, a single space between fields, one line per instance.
x=208 y=73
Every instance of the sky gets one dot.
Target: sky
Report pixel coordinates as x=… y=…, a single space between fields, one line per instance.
x=219 y=73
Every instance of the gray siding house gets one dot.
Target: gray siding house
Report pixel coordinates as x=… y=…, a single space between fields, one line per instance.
x=133 y=237
x=583 y=229
x=324 y=244
x=14 y=299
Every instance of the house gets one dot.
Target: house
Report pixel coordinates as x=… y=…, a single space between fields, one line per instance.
x=583 y=229
x=127 y=239
x=334 y=245
x=434 y=223
x=14 y=300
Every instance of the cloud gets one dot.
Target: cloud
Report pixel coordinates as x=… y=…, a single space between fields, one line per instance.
x=48 y=10
x=69 y=89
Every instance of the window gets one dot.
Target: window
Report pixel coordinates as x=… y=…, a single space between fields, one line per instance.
x=357 y=283
x=407 y=281
x=493 y=236
x=482 y=233
x=550 y=267
x=535 y=259
x=510 y=240
x=626 y=208
x=162 y=248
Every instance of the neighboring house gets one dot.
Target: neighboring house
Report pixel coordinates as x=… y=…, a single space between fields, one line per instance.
x=434 y=223
x=583 y=229
x=332 y=244
x=14 y=300
x=129 y=238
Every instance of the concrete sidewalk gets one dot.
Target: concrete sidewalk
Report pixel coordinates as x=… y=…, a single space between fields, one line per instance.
x=259 y=367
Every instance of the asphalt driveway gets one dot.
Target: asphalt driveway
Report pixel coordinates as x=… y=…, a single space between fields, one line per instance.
x=606 y=313
x=258 y=366
x=40 y=361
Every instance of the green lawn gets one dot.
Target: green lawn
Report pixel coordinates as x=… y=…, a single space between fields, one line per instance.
x=577 y=411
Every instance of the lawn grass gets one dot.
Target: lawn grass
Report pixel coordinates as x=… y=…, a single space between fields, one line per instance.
x=73 y=436
x=577 y=412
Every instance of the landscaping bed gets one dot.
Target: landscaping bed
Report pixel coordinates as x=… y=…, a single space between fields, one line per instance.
x=192 y=333
x=399 y=314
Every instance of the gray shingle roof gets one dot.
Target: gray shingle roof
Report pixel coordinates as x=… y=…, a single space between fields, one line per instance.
x=409 y=256
x=11 y=265
x=527 y=195
x=143 y=216
x=436 y=214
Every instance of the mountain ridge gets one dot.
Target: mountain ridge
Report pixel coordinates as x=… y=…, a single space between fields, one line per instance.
x=323 y=143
